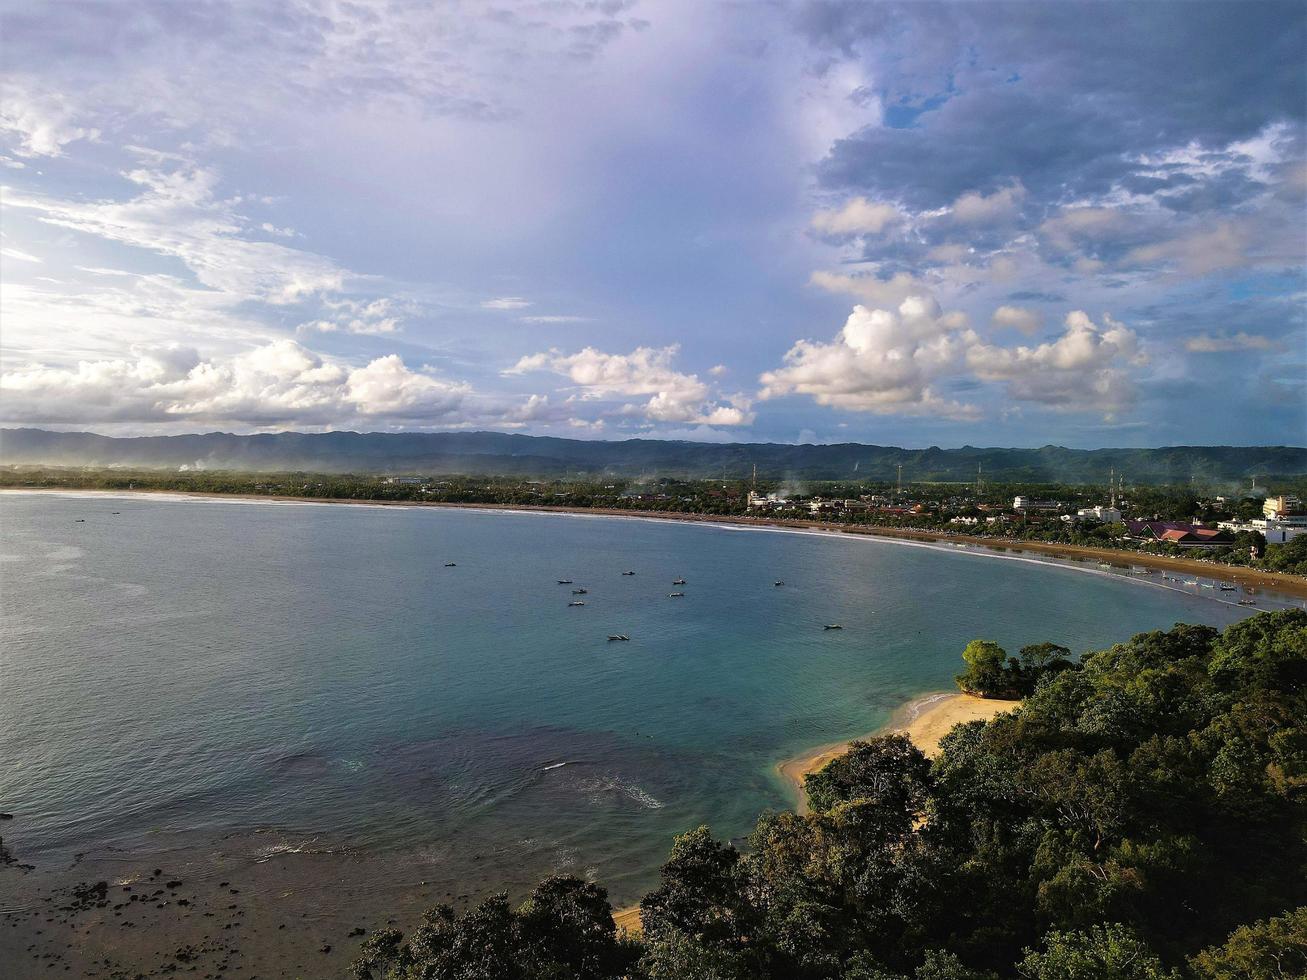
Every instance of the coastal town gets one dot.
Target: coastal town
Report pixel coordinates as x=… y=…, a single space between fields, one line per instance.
x=1253 y=526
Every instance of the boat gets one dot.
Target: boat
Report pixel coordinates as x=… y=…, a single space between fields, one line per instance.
x=1191 y=581
x=80 y=520
x=618 y=636
x=450 y=564
x=576 y=602
x=675 y=595
x=578 y=592
x=679 y=581
x=833 y=626
x=778 y=584
x=1247 y=602
x=1208 y=585
x=628 y=573
x=564 y=581
x=1227 y=588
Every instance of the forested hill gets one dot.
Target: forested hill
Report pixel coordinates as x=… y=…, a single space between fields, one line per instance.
x=496 y=453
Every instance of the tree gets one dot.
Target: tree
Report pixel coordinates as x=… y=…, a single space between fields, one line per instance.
x=1273 y=949
x=1106 y=952
x=985 y=669
x=889 y=770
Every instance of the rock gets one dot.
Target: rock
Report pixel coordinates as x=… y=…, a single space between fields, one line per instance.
x=326 y=948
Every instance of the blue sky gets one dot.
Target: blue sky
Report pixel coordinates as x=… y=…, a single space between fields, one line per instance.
x=919 y=224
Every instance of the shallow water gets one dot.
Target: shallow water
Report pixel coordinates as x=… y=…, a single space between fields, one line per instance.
x=190 y=670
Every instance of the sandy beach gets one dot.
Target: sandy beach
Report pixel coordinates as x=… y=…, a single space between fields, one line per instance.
x=925 y=720
x=1289 y=585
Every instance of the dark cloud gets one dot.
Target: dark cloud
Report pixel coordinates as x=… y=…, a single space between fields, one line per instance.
x=1062 y=96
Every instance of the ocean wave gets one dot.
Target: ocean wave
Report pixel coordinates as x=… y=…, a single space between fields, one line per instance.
x=599 y=787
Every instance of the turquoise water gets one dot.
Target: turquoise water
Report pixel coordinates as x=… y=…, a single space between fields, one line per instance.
x=185 y=670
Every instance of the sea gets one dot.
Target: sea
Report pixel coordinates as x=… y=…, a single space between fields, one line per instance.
x=418 y=684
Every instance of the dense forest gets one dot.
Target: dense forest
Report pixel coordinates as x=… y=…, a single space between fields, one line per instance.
x=1141 y=817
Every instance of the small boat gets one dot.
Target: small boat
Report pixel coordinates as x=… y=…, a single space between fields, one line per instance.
x=675 y=595
x=450 y=564
x=778 y=584
x=833 y=626
x=578 y=592
x=1247 y=602
x=628 y=573
x=1227 y=588
x=1191 y=581
x=80 y=520
x=1208 y=585
x=576 y=602
x=618 y=636
x=564 y=581
x=116 y=512
x=679 y=581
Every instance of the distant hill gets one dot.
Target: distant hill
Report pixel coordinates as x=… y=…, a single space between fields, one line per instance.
x=497 y=453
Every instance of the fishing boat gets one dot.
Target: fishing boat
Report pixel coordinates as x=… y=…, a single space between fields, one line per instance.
x=675 y=595
x=618 y=636
x=450 y=564
x=1247 y=602
x=576 y=602
x=564 y=581
x=1227 y=588
x=1191 y=581
x=778 y=584
x=833 y=626
x=679 y=581
x=578 y=592
x=628 y=573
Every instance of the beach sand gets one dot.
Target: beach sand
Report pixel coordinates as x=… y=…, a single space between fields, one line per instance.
x=925 y=720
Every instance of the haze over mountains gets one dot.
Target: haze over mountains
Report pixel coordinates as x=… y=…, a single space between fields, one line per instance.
x=495 y=453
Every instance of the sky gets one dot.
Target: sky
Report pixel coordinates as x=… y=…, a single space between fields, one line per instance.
x=915 y=224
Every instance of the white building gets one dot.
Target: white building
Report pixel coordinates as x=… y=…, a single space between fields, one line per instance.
x=1108 y=515
x=1030 y=503
x=1275 y=530
x=758 y=501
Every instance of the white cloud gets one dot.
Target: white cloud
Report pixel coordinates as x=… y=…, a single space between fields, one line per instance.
x=278 y=384
x=1084 y=369
x=871 y=289
x=178 y=214
x=974 y=208
x=506 y=303
x=378 y=316
x=554 y=318
x=1206 y=343
x=858 y=217
x=1018 y=318
x=882 y=361
x=674 y=395
x=42 y=122
x=18 y=254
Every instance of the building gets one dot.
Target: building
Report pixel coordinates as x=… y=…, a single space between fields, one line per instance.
x=1279 y=508
x=1179 y=533
x=1025 y=505
x=1108 y=515
x=771 y=501
x=1274 y=530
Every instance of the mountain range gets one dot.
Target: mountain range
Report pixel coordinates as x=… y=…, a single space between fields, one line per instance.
x=501 y=454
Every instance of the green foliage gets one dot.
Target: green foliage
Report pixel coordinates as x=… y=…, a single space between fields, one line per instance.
x=1106 y=952
x=1288 y=557
x=1140 y=805
x=890 y=770
x=564 y=931
x=1274 y=949
x=985 y=674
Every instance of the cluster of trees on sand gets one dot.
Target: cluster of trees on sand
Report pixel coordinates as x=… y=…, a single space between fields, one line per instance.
x=1141 y=817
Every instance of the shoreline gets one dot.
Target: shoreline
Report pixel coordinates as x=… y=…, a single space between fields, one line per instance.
x=1284 y=583
x=925 y=719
